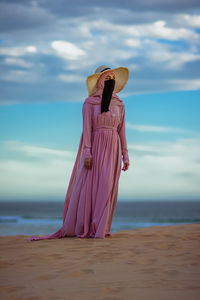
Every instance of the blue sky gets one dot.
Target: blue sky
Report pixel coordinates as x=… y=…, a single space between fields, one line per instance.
x=46 y=53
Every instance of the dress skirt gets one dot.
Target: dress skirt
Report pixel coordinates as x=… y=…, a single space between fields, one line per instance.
x=92 y=193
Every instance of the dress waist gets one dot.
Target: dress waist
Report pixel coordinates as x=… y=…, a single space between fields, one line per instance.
x=102 y=127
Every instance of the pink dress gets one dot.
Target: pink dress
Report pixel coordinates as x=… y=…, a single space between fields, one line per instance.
x=92 y=193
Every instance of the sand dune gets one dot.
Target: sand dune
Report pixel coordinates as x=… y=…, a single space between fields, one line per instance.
x=159 y=262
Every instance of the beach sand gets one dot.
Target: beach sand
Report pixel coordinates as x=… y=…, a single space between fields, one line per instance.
x=158 y=262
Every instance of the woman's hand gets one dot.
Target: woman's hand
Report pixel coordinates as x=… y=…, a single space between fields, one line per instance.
x=88 y=162
x=125 y=166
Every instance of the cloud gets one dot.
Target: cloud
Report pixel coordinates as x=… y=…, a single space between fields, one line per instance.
x=22 y=16
x=159 y=42
x=159 y=29
x=134 y=43
x=71 y=78
x=146 y=86
x=36 y=151
x=170 y=60
x=19 y=76
x=67 y=50
x=159 y=170
x=188 y=20
x=163 y=170
x=190 y=84
x=151 y=128
x=18 y=62
x=17 y=51
x=34 y=171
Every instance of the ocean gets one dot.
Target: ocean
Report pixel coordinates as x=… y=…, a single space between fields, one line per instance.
x=41 y=218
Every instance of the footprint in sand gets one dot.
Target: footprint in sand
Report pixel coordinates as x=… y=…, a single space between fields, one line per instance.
x=47 y=277
x=81 y=272
x=111 y=289
x=57 y=256
x=6 y=264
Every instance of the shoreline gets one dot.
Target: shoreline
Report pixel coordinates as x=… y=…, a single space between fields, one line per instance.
x=157 y=262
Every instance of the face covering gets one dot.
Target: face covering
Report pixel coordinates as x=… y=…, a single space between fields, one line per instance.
x=109 y=86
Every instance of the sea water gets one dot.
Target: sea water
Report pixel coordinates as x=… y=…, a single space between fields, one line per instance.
x=42 y=217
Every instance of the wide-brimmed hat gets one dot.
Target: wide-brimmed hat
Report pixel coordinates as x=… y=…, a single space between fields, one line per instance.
x=121 y=78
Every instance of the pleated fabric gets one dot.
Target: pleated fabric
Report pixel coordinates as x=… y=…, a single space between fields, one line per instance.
x=92 y=193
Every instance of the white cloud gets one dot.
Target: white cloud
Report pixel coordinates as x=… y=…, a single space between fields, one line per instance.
x=170 y=60
x=186 y=147
x=34 y=179
x=17 y=51
x=35 y=171
x=163 y=170
x=151 y=128
x=159 y=29
x=145 y=86
x=159 y=170
x=17 y=62
x=35 y=151
x=19 y=76
x=31 y=49
x=67 y=50
x=185 y=84
x=192 y=20
x=71 y=78
x=135 y=43
x=110 y=40
x=153 y=45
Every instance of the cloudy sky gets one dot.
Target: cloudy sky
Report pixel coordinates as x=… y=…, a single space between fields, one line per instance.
x=47 y=50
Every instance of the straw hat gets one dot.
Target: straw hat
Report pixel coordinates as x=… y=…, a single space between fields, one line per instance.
x=121 y=78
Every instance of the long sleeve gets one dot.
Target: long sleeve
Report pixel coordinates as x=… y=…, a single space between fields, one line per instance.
x=122 y=135
x=87 y=129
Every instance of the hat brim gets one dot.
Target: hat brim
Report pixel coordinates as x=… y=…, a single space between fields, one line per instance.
x=121 y=78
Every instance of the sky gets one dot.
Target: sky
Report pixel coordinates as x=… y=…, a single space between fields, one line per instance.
x=47 y=50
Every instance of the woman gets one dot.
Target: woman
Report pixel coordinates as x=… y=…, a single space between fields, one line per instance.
x=93 y=188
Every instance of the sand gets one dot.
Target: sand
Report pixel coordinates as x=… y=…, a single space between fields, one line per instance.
x=158 y=262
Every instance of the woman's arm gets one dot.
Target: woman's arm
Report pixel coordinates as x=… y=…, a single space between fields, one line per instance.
x=87 y=130
x=122 y=135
